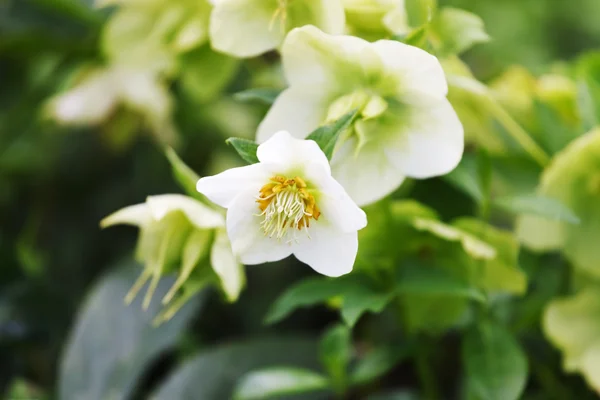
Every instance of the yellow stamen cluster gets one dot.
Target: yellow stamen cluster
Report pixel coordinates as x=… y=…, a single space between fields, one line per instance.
x=286 y=203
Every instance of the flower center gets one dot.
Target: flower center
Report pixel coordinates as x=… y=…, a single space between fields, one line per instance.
x=281 y=14
x=286 y=203
x=369 y=105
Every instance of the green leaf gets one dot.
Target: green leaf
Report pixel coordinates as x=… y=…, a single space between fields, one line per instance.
x=573 y=326
x=539 y=205
x=101 y=362
x=457 y=30
x=465 y=177
x=356 y=298
x=184 y=175
x=214 y=373
x=427 y=280
x=501 y=273
x=377 y=363
x=261 y=95
x=335 y=351
x=245 y=148
x=417 y=37
x=275 y=382
x=326 y=136
x=496 y=368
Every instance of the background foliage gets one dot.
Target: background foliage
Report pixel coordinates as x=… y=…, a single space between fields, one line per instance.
x=64 y=332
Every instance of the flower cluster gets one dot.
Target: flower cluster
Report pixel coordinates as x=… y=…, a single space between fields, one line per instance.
x=302 y=192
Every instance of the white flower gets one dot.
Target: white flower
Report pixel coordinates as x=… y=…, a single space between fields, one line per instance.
x=288 y=204
x=406 y=126
x=176 y=234
x=247 y=28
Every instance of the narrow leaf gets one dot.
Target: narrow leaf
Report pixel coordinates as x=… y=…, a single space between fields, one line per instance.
x=538 y=205
x=245 y=148
x=275 y=382
x=326 y=136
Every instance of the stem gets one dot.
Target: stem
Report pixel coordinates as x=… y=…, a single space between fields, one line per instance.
x=518 y=133
x=426 y=374
x=424 y=371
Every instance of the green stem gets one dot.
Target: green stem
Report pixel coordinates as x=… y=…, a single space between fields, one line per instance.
x=518 y=133
x=426 y=374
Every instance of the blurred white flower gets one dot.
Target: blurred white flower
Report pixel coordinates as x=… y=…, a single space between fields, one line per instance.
x=405 y=127
x=247 y=28
x=99 y=92
x=287 y=204
x=177 y=233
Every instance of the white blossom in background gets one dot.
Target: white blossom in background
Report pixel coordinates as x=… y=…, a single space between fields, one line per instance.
x=248 y=28
x=376 y=18
x=406 y=127
x=178 y=233
x=288 y=203
x=99 y=92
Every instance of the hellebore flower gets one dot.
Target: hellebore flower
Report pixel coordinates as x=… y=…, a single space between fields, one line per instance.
x=288 y=203
x=406 y=126
x=180 y=233
x=247 y=28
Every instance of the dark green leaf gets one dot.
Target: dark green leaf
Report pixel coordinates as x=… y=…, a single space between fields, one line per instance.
x=274 y=382
x=496 y=367
x=377 y=363
x=335 y=352
x=112 y=344
x=245 y=148
x=213 y=374
x=304 y=293
x=357 y=297
x=183 y=174
x=426 y=280
x=537 y=205
x=465 y=177
x=261 y=95
x=326 y=136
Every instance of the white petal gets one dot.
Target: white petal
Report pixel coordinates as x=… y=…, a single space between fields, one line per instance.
x=328 y=15
x=367 y=176
x=299 y=110
x=197 y=213
x=247 y=239
x=223 y=188
x=286 y=150
x=419 y=74
x=137 y=215
x=312 y=57
x=87 y=103
x=328 y=251
x=335 y=204
x=426 y=141
x=227 y=267
x=244 y=28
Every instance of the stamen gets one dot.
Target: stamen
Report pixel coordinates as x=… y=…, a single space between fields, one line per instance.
x=284 y=204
